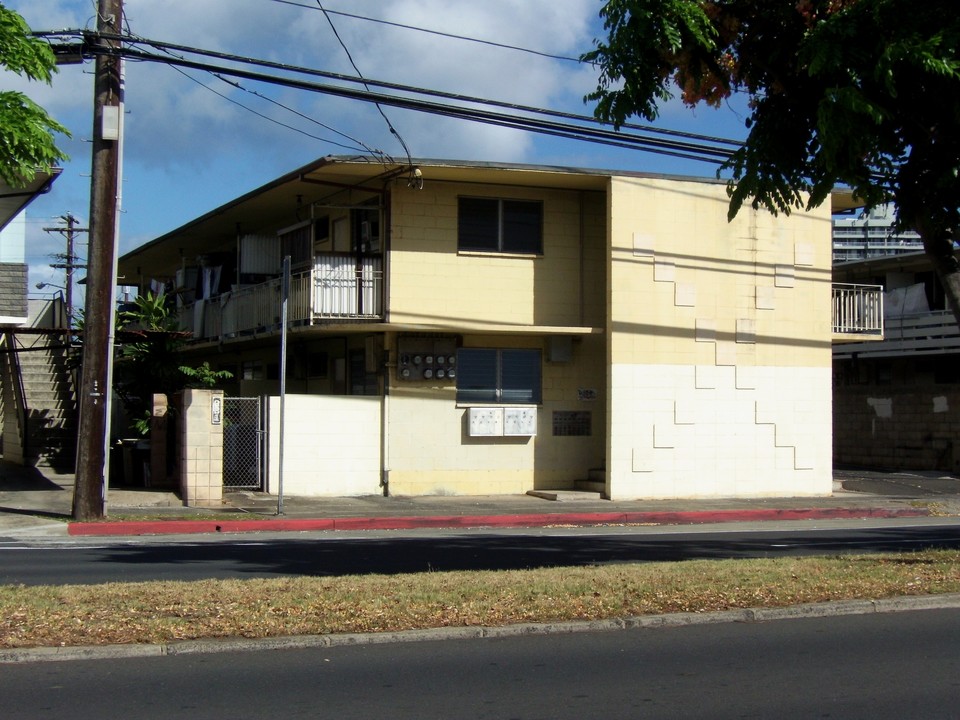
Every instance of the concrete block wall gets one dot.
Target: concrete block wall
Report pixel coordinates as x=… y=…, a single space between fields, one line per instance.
x=13 y=292
x=430 y=451
x=431 y=283
x=331 y=445
x=201 y=448
x=719 y=344
x=893 y=414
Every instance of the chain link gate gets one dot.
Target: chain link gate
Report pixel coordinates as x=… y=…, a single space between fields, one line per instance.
x=243 y=443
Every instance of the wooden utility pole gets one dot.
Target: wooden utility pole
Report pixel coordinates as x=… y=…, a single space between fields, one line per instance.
x=90 y=487
x=69 y=263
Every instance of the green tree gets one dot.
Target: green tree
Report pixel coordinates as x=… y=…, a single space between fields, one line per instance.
x=150 y=359
x=862 y=93
x=26 y=130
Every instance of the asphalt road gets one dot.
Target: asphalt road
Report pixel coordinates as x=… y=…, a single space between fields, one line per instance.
x=875 y=667
x=328 y=554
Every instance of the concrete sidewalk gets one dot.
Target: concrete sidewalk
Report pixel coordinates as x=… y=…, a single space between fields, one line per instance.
x=36 y=502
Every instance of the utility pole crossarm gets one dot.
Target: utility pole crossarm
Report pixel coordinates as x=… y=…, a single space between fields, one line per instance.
x=69 y=233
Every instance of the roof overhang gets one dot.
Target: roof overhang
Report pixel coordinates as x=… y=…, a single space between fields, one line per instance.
x=881 y=265
x=335 y=180
x=14 y=199
x=843 y=200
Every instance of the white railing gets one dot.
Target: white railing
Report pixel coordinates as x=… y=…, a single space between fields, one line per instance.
x=857 y=309
x=344 y=290
x=336 y=288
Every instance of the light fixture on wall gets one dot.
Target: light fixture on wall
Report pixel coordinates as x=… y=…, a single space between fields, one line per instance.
x=416 y=179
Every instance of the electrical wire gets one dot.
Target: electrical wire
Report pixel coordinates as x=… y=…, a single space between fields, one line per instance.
x=249 y=109
x=696 y=149
x=433 y=32
x=359 y=146
x=390 y=127
x=692 y=151
x=438 y=93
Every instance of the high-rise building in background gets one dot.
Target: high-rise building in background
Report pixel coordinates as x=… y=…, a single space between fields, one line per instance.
x=863 y=235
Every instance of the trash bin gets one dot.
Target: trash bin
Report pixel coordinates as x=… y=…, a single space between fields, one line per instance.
x=132 y=462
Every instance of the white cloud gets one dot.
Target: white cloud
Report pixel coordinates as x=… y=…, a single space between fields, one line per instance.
x=187 y=149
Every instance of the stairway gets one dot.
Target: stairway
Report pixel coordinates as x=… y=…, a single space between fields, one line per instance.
x=593 y=488
x=50 y=436
x=596 y=482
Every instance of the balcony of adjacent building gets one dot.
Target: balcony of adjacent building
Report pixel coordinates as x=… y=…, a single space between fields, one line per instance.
x=916 y=319
x=857 y=312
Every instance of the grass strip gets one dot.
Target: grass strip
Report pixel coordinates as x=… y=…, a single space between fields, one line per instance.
x=156 y=612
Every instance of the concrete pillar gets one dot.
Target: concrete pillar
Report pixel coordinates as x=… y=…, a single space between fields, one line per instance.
x=158 y=441
x=201 y=448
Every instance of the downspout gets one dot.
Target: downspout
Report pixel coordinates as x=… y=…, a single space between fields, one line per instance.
x=581 y=259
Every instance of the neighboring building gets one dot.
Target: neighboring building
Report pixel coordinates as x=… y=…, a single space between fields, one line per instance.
x=13 y=266
x=37 y=400
x=897 y=402
x=860 y=235
x=472 y=328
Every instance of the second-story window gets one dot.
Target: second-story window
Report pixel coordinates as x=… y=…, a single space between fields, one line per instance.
x=500 y=225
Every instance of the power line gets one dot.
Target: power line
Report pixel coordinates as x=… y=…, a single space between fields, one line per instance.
x=358 y=147
x=406 y=88
x=438 y=93
x=696 y=148
x=390 y=127
x=452 y=36
x=693 y=151
x=249 y=109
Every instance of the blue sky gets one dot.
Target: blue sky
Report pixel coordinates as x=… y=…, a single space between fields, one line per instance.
x=193 y=142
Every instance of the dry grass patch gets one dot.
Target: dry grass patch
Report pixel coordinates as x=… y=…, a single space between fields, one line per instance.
x=165 y=611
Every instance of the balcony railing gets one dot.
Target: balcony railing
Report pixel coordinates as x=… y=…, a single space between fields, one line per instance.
x=336 y=288
x=858 y=309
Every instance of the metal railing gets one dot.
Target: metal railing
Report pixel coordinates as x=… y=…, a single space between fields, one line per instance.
x=337 y=287
x=857 y=309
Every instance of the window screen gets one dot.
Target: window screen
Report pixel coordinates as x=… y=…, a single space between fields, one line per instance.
x=486 y=375
x=494 y=225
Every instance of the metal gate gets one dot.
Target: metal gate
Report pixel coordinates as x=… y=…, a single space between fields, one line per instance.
x=243 y=443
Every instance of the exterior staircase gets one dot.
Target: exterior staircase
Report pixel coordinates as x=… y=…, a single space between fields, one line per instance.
x=596 y=482
x=593 y=488
x=51 y=403
x=39 y=399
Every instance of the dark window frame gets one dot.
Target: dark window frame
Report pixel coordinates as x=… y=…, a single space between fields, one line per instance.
x=500 y=225
x=499 y=376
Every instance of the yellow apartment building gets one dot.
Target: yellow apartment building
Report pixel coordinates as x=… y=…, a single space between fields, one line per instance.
x=475 y=328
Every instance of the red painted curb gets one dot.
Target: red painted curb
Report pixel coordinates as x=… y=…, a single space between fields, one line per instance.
x=699 y=517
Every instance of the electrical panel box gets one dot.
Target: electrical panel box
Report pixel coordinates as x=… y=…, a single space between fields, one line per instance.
x=429 y=359
x=519 y=421
x=485 y=421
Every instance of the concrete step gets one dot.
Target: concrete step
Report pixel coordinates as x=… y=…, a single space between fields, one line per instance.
x=42 y=361
x=47 y=401
x=56 y=389
x=566 y=495
x=591 y=486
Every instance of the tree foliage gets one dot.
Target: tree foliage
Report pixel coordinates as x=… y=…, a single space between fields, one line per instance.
x=26 y=129
x=864 y=93
x=150 y=358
